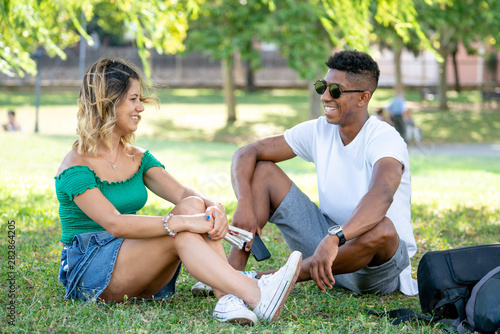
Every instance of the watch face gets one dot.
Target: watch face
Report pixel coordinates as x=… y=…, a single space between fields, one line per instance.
x=334 y=229
x=337 y=230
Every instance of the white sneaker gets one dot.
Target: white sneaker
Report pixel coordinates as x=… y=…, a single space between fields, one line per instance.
x=249 y=273
x=274 y=289
x=232 y=309
x=203 y=290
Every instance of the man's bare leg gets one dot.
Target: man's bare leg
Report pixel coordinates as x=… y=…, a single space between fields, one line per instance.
x=270 y=185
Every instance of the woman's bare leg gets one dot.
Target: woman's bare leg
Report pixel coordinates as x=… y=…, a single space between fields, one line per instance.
x=144 y=266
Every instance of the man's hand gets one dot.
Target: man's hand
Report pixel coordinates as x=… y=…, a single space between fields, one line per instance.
x=322 y=262
x=244 y=218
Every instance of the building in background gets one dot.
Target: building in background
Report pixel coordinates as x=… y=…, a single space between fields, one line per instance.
x=195 y=70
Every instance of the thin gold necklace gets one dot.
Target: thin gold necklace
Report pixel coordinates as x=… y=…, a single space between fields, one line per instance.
x=113 y=164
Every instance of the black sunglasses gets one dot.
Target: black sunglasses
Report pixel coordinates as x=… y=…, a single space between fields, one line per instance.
x=334 y=90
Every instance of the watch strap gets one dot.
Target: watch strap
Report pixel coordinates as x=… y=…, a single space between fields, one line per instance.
x=341 y=236
x=337 y=230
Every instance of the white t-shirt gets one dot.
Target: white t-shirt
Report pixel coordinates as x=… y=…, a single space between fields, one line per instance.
x=344 y=173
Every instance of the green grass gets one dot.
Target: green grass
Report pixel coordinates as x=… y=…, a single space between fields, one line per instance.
x=455 y=203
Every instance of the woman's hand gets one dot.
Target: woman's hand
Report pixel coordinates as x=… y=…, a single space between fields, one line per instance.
x=217 y=214
x=197 y=223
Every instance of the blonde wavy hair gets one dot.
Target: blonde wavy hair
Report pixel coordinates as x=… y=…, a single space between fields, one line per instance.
x=104 y=87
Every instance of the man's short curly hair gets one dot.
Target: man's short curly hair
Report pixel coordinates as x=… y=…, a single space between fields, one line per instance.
x=361 y=70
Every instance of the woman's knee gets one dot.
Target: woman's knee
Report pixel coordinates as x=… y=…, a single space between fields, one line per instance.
x=190 y=205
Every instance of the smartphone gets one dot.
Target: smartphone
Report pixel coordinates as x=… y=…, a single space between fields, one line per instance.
x=259 y=250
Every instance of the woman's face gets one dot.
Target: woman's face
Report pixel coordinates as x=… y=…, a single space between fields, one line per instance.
x=128 y=112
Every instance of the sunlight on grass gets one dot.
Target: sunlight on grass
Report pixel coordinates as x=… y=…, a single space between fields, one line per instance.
x=200 y=114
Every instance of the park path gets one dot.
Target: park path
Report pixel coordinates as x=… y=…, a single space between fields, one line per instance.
x=458 y=149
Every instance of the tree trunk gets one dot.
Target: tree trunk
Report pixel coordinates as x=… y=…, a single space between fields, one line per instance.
x=443 y=87
x=250 y=78
x=315 y=105
x=229 y=98
x=455 y=70
x=398 y=51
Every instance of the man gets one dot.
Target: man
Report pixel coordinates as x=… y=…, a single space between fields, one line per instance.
x=360 y=237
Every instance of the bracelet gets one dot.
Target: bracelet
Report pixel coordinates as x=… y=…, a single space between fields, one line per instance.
x=165 y=223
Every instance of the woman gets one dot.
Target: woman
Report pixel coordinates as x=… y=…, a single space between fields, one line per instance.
x=112 y=254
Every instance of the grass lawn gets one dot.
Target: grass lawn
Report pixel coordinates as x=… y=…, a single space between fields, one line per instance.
x=455 y=203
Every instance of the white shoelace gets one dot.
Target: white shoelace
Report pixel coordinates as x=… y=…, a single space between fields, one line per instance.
x=232 y=301
x=266 y=278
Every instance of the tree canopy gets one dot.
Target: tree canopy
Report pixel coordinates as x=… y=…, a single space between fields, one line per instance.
x=27 y=25
x=56 y=24
x=304 y=31
x=448 y=23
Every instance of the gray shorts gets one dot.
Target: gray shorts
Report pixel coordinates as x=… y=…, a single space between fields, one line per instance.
x=304 y=226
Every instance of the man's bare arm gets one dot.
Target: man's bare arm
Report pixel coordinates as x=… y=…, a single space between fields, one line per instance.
x=245 y=159
x=372 y=208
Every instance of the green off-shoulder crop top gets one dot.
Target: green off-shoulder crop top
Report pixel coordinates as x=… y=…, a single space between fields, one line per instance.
x=128 y=196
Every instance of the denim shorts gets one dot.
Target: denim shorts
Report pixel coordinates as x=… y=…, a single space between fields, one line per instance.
x=297 y=213
x=87 y=264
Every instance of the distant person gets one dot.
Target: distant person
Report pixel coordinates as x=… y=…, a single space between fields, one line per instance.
x=413 y=132
x=397 y=108
x=110 y=253
x=12 y=124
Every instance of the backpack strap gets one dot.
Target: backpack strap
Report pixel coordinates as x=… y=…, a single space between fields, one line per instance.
x=401 y=315
x=464 y=327
x=458 y=298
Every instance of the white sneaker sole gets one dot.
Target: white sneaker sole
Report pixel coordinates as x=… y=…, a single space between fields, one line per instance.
x=243 y=321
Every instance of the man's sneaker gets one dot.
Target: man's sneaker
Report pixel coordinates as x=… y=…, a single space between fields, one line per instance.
x=249 y=273
x=203 y=290
x=232 y=309
x=274 y=289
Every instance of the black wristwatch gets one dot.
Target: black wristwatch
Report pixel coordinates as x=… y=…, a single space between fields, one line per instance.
x=337 y=230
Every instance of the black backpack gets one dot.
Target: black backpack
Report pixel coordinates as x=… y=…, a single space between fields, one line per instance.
x=446 y=282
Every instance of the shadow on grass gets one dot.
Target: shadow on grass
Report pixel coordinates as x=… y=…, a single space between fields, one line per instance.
x=208 y=96
x=14 y=100
x=250 y=131
x=241 y=131
x=459 y=126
